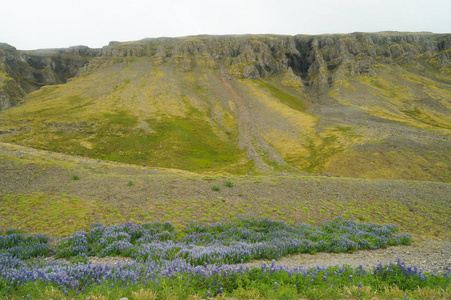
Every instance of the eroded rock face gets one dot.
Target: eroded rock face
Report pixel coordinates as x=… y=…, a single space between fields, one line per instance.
x=22 y=72
x=6 y=102
x=315 y=56
x=317 y=60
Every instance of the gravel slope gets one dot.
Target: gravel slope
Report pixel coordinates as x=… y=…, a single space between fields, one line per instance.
x=428 y=255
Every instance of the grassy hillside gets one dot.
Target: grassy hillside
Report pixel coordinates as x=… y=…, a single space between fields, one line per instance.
x=403 y=122
x=138 y=110
x=386 y=118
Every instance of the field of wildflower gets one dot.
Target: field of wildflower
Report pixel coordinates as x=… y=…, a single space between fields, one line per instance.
x=205 y=261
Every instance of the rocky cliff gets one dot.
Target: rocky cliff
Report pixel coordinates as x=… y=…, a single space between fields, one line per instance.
x=317 y=61
x=22 y=72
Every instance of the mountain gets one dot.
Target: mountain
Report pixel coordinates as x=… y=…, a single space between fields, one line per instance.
x=366 y=105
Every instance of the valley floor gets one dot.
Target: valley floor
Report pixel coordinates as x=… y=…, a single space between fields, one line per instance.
x=40 y=194
x=59 y=194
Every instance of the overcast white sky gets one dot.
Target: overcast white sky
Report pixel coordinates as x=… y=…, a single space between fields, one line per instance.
x=34 y=24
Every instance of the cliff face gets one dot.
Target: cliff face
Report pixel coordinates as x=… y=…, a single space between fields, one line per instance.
x=318 y=61
x=22 y=72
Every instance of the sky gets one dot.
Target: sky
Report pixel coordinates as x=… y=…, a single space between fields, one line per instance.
x=37 y=24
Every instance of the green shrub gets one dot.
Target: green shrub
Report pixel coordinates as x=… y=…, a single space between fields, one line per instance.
x=229 y=184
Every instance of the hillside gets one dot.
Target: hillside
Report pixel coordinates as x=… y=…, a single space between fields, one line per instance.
x=356 y=105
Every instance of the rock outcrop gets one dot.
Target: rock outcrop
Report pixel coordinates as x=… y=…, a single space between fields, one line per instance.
x=319 y=60
x=22 y=72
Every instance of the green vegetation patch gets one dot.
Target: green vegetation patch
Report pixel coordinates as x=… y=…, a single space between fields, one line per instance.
x=55 y=215
x=320 y=149
x=284 y=97
x=320 y=152
x=183 y=143
x=426 y=118
x=60 y=214
x=173 y=282
x=121 y=118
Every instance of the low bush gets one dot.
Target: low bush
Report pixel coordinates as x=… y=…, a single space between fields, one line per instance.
x=23 y=246
x=229 y=184
x=228 y=243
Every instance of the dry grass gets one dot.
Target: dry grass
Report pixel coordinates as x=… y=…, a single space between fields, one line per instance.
x=144 y=295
